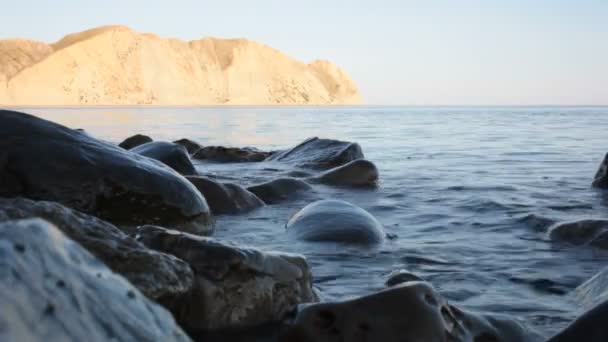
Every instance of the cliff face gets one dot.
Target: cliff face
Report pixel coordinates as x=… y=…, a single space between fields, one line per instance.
x=114 y=65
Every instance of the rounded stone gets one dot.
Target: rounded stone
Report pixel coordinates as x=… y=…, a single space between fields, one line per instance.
x=173 y=155
x=279 y=189
x=358 y=172
x=134 y=141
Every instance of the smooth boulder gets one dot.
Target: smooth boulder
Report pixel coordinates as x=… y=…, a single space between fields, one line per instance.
x=335 y=221
x=590 y=232
x=42 y=160
x=358 y=172
x=319 y=154
x=234 y=286
x=173 y=155
x=52 y=289
x=191 y=146
x=134 y=141
x=226 y=198
x=279 y=189
x=231 y=154
x=401 y=276
x=601 y=177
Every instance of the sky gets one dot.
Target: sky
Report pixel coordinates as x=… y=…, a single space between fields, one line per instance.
x=399 y=52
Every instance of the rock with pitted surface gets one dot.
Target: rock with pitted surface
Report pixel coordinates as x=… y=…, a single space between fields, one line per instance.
x=155 y=274
x=335 y=221
x=358 y=172
x=231 y=154
x=173 y=155
x=590 y=232
x=226 y=198
x=234 y=286
x=42 y=160
x=279 y=189
x=319 y=154
x=52 y=289
x=601 y=177
x=134 y=141
x=191 y=146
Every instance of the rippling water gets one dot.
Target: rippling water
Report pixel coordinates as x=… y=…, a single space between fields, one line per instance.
x=464 y=189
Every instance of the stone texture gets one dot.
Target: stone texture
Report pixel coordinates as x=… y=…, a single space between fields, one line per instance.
x=191 y=146
x=590 y=232
x=230 y=154
x=358 y=172
x=173 y=155
x=319 y=154
x=226 y=198
x=279 y=189
x=134 y=141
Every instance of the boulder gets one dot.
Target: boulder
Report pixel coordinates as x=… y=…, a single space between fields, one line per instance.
x=234 y=286
x=358 y=172
x=155 y=274
x=280 y=189
x=319 y=154
x=401 y=276
x=191 y=146
x=601 y=177
x=230 y=154
x=134 y=141
x=591 y=232
x=589 y=327
x=173 y=155
x=51 y=289
x=42 y=160
x=226 y=198
x=335 y=221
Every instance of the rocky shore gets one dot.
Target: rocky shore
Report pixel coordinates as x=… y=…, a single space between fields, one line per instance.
x=115 y=242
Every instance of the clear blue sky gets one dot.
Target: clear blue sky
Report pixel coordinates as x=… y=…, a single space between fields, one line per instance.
x=398 y=51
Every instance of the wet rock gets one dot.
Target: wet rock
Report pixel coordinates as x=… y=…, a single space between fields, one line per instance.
x=401 y=276
x=537 y=222
x=358 y=172
x=594 y=291
x=335 y=221
x=319 y=154
x=173 y=155
x=591 y=232
x=601 y=177
x=42 y=160
x=226 y=198
x=230 y=154
x=413 y=311
x=134 y=141
x=234 y=286
x=153 y=273
x=589 y=327
x=280 y=189
x=51 y=289
x=191 y=146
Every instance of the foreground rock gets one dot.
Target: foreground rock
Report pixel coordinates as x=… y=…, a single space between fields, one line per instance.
x=601 y=177
x=594 y=291
x=191 y=146
x=359 y=172
x=134 y=141
x=589 y=327
x=592 y=232
x=153 y=273
x=45 y=161
x=234 y=287
x=319 y=154
x=226 y=198
x=51 y=289
x=335 y=221
x=173 y=155
x=280 y=189
x=413 y=311
x=231 y=154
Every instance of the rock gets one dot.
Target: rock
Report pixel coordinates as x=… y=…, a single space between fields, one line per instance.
x=601 y=177
x=191 y=146
x=592 y=232
x=226 y=198
x=173 y=155
x=589 y=327
x=413 y=311
x=594 y=291
x=51 y=289
x=231 y=154
x=401 y=276
x=358 y=172
x=153 y=273
x=42 y=160
x=279 y=189
x=134 y=141
x=335 y=221
x=319 y=154
x=234 y=286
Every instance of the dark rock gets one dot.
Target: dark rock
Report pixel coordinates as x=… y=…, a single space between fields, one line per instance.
x=279 y=189
x=594 y=291
x=589 y=327
x=173 y=155
x=42 y=160
x=601 y=177
x=191 y=146
x=226 y=198
x=234 y=286
x=153 y=273
x=592 y=232
x=358 y=172
x=319 y=154
x=335 y=221
x=231 y=154
x=401 y=276
x=134 y=141
x=51 y=289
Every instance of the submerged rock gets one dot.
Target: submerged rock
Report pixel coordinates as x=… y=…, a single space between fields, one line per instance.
x=134 y=141
x=226 y=198
x=601 y=177
x=191 y=146
x=45 y=161
x=592 y=232
x=319 y=154
x=401 y=276
x=234 y=287
x=335 y=221
x=153 y=273
x=589 y=327
x=231 y=154
x=51 y=289
x=173 y=155
x=358 y=172
x=279 y=189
